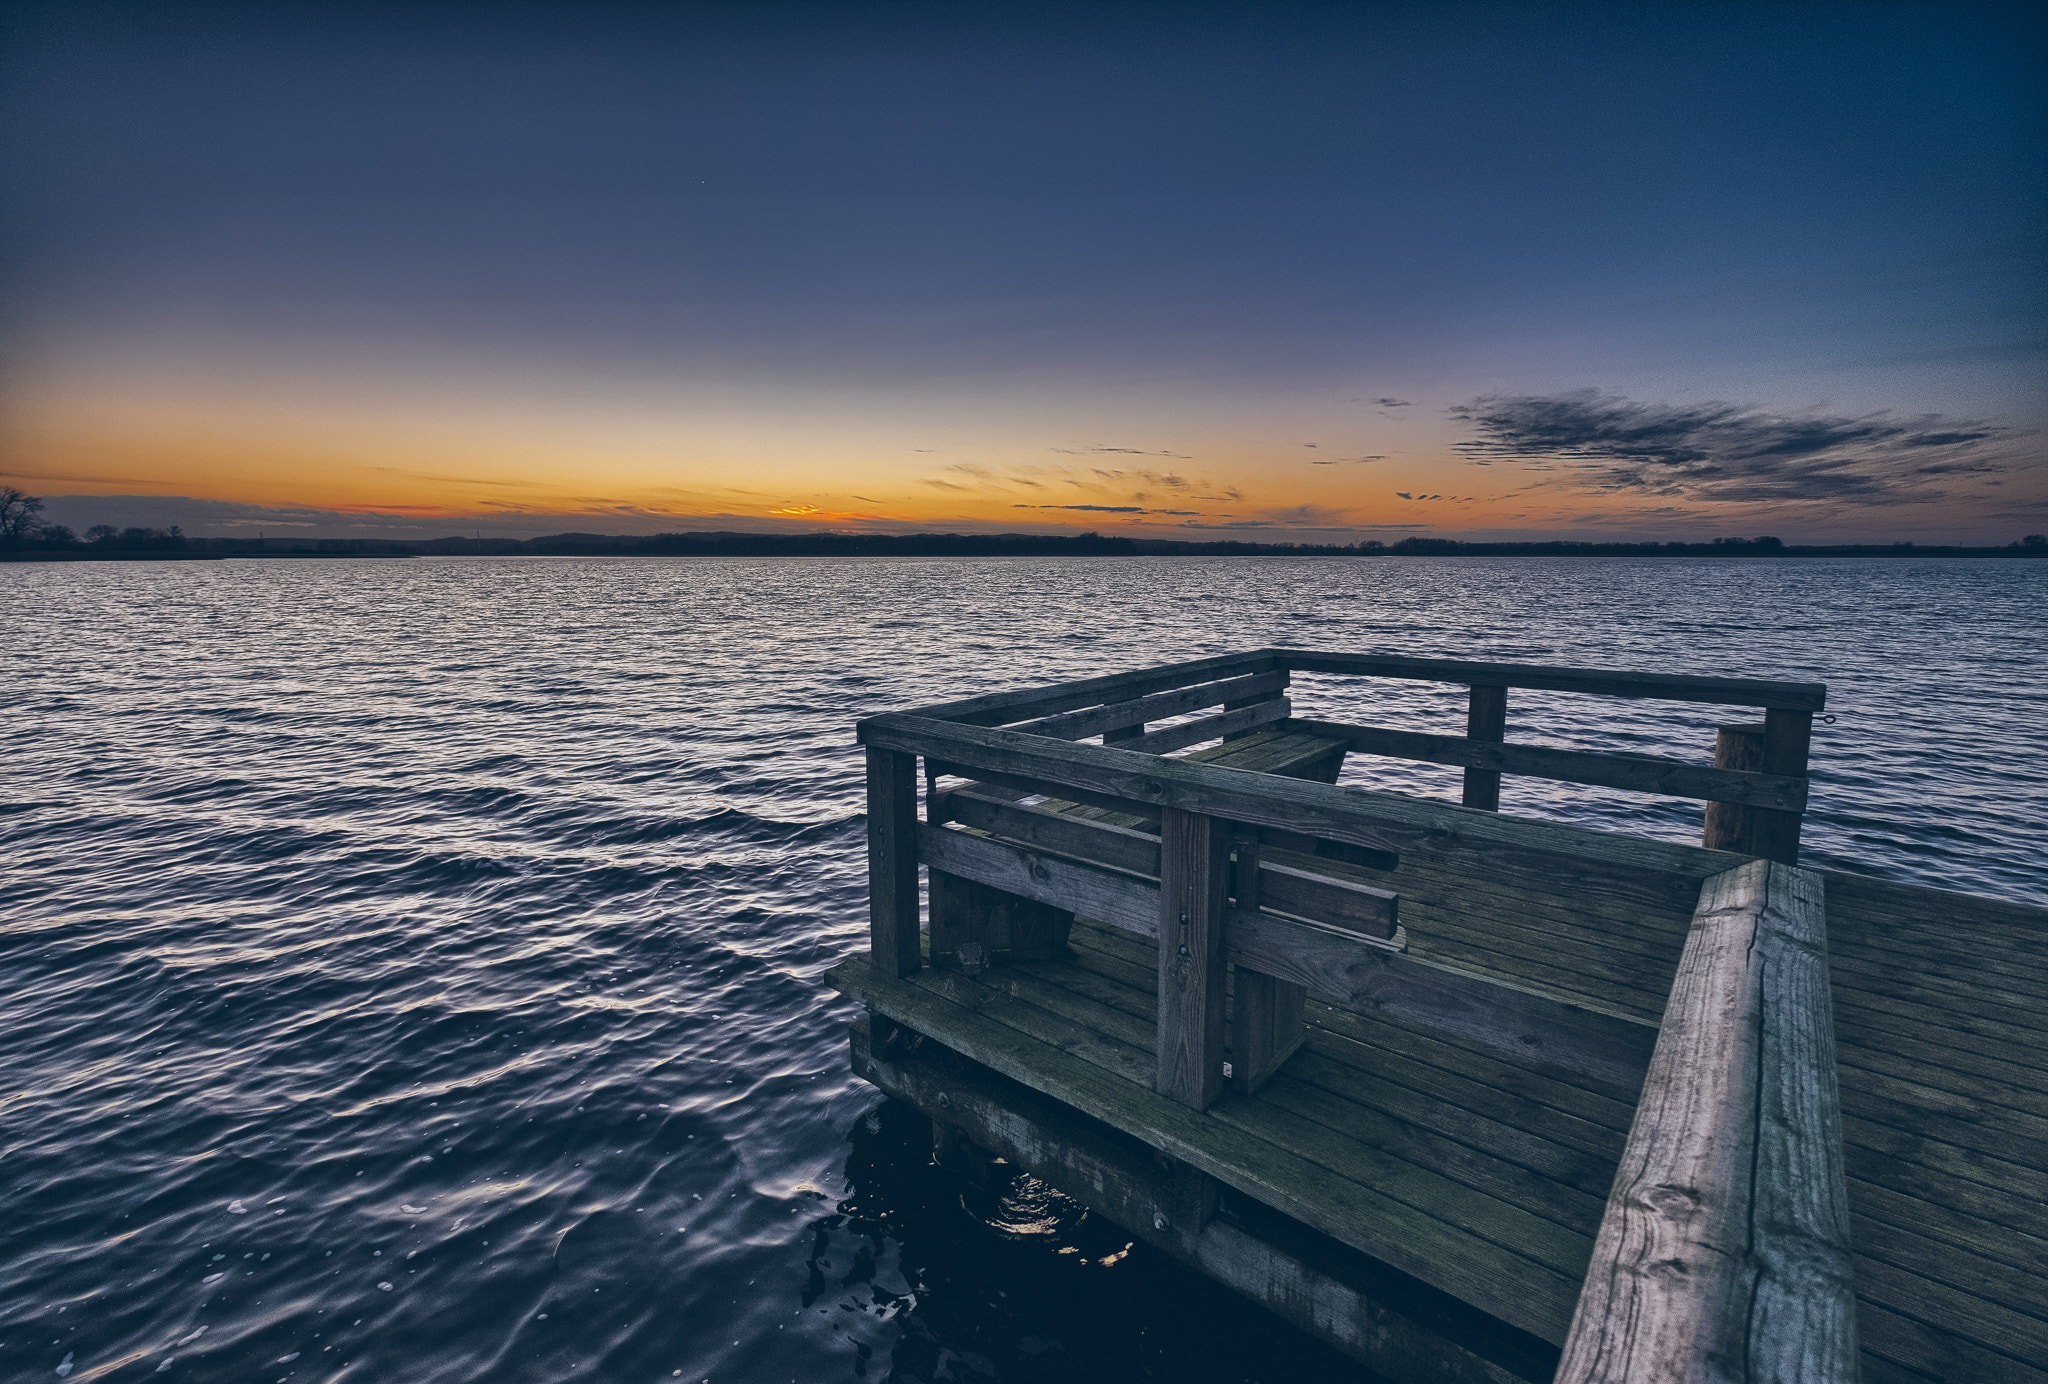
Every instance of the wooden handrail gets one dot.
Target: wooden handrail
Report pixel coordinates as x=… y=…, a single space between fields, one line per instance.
x=1002 y=708
x=1543 y=855
x=1640 y=773
x=1605 y=682
x=1724 y=1253
x=1073 y=725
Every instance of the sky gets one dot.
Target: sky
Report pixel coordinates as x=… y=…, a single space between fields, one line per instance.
x=1281 y=272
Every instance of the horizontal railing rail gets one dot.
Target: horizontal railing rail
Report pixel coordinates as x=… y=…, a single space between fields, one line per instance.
x=1075 y=725
x=1724 y=1252
x=1603 y=682
x=1542 y=855
x=1757 y=785
x=1003 y=708
x=1639 y=773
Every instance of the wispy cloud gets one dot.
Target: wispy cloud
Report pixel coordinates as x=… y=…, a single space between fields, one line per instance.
x=1726 y=452
x=1121 y=451
x=1110 y=509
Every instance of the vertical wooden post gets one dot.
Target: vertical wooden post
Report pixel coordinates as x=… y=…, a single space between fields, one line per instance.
x=1788 y=735
x=1729 y=825
x=892 y=862
x=1265 y=1011
x=1486 y=719
x=1194 y=859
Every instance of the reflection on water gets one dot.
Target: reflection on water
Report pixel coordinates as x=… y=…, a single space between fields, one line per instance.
x=413 y=966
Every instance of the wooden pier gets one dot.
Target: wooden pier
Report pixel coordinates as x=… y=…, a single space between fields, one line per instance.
x=1469 y=1096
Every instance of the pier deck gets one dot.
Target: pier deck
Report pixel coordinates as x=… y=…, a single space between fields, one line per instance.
x=1422 y=1175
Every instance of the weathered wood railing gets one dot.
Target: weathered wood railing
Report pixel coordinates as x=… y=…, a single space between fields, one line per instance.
x=1757 y=794
x=1724 y=1252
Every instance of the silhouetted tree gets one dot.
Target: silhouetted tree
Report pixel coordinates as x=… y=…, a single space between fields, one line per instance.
x=101 y=533
x=18 y=513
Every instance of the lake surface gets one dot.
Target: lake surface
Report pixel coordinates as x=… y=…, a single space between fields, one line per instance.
x=412 y=966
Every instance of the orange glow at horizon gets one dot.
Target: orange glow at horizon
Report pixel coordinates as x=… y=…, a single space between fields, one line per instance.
x=722 y=470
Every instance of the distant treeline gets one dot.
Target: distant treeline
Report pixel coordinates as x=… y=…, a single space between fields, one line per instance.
x=57 y=543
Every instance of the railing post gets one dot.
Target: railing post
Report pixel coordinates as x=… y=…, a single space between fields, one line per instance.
x=1265 y=1011
x=1788 y=735
x=1729 y=826
x=892 y=862
x=1485 y=719
x=1194 y=860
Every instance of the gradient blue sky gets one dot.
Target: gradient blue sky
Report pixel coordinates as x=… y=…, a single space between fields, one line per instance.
x=1322 y=271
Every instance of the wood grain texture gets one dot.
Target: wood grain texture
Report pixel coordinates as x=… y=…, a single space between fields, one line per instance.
x=1231 y=721
x=1608 y=682
x=1788 y=736
x=1543 y=856
x=1073 y=725
x=999 y=708
x=1384 y=1207
x=1286 y=888
x=892 y=860
x=1265 y=1011
x=1486 y=722
x=1724 y=1251
x=1637 y=773
x=1726 y=826
x=1330 y=962
x=1194 y=861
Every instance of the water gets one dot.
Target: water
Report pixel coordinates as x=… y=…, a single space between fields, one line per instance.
x=412 y=967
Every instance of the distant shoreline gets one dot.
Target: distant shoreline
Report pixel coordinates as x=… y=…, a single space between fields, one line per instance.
x=172 y=547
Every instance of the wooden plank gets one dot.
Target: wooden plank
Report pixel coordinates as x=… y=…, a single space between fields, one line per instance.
x=1549 y=857
x=1118 y=847
x=1607 y=1046
x=1486 y=721
x=1194 y=859
x=892 y=860
x=1724 y=1252
x=1229 y=722
x=1285 y=752
x=1607 y=682
x=997 y=708
x=1364 y=1215
x=1287 y=888
x=1073 y=725
x=1637 y=773
x=1265 y=1011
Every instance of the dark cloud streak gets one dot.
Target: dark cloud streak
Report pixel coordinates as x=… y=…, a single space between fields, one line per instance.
x=1725 y=452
